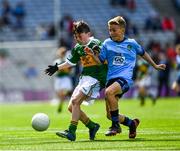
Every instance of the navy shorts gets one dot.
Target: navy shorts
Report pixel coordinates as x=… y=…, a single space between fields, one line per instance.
x=122 y=82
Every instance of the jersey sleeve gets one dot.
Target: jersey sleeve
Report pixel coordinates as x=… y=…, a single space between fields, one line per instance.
x=103 y=54
x=73 y=57
x=58 y=61
x=96 y=45
x=139 y=49
x=97 y=42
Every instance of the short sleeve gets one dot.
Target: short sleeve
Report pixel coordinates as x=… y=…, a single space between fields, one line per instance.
x=139 y=49
x=73 y=57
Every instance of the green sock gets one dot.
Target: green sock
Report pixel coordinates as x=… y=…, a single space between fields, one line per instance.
x=73 y=127
x=90 y=124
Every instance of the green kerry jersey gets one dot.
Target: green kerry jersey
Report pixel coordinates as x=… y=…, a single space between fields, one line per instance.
x=89 y=65
x=143 y=69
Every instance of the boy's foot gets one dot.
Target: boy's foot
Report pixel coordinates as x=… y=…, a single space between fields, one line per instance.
x=133 y=127
x=66 y=134
x=113 y=131
x=59 y=109
x=92 y=132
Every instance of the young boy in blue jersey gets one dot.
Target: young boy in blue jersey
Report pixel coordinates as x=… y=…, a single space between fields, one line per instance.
x=121 y=53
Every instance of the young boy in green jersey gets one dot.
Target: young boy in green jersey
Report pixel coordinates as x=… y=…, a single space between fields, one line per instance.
x=93 y=77
x=144 y=81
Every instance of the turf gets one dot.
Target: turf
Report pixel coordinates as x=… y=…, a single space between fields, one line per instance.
x=159 y=128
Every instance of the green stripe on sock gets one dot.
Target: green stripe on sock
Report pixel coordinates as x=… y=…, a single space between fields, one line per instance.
x=73 y=127
x=90 y=124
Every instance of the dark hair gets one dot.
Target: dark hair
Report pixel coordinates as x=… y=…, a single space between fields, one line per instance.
x=80 y=27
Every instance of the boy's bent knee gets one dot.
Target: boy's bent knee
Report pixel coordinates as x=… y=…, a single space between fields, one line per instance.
x=75 y=102
x=108 y=93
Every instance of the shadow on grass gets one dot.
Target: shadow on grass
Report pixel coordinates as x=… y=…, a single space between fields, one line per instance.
x=64 y=141
x=137 y=140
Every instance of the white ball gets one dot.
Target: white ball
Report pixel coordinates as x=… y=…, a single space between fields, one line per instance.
x=40 y=122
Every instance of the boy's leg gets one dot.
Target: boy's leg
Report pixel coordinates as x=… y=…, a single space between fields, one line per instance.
x=87 y=86
x=142 y=95
x=93 y=127
x=110 y=94
x=61 y=95
x=79 y=115
x=76 y=101
x=132 y=124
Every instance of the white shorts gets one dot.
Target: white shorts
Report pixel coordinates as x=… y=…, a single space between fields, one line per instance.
x=63 y=83
x=89 y=86
x=144 y=82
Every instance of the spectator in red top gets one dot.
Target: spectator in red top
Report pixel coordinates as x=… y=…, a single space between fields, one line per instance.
x=170 y=53
x=168 y=23
x=131 y=4
x=155 y=46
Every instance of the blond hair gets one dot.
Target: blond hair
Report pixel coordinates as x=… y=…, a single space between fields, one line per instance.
x=118 y=20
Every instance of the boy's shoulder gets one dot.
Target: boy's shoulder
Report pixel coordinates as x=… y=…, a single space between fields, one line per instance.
x=107 y=40
x=131 y=40
x=126 y=39
x=77 y=46
x=94 y=40
x=91 y=42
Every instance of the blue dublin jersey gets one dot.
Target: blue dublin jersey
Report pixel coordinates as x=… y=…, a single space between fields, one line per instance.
x=121 y=58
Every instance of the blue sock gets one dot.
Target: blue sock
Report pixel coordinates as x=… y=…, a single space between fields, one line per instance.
x=115 y=118
x=127 y=121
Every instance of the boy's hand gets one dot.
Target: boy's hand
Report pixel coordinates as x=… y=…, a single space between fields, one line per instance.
x=88 y=51
x=51 y=69
x=96 y=49
x=160 y=67
x=92 y=51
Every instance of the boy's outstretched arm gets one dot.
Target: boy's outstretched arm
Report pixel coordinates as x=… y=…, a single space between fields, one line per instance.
x=150 y=61
x=53 y=68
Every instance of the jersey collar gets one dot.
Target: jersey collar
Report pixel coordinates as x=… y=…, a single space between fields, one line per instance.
x=119 y=41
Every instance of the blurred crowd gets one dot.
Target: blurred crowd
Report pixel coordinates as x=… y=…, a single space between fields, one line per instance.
x=161 y=53
x=12 y=17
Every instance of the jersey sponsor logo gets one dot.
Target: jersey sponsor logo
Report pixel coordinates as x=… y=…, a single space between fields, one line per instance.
x=118 y=60
x=88 y=61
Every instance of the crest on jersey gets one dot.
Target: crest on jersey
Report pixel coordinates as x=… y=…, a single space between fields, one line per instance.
x=129 y=47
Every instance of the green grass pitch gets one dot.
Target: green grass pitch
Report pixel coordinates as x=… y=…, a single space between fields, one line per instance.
x=159 y=128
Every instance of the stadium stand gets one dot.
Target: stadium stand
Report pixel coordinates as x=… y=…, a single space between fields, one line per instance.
x=22 y=56
x=96 y=13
